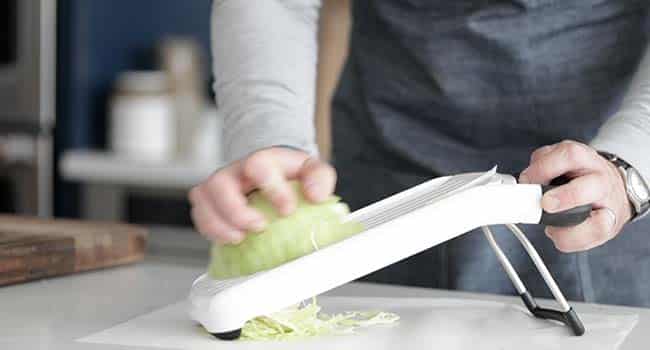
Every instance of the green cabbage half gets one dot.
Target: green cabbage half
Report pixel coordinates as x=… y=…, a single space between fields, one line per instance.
x=309 y=228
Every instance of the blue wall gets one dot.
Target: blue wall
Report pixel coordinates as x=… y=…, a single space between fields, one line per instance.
x=96 y=40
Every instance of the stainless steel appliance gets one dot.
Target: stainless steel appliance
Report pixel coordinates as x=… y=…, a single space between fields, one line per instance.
x=27 y=95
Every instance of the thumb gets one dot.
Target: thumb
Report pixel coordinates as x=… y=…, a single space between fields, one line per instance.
x=318 y=179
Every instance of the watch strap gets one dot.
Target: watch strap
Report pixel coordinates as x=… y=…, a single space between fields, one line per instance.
x=644 y=208
x=614 y=159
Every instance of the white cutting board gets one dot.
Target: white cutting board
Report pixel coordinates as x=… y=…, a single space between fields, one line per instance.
x=424 y=324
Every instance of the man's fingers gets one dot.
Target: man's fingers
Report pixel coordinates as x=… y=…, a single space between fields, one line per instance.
x=318 y=179
x=220 y=209
x=229 y=201
x=565 y=157
x=596 y=230
x=209 y=223
x=268 y=171
x=582 y=190
x=594 y=181
x=540 y=152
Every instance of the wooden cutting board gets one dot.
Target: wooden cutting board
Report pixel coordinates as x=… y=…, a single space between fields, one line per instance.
x=32 y=248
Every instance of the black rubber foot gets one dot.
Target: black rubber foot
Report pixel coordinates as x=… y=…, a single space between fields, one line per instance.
x=569 y=318
x=232 y=335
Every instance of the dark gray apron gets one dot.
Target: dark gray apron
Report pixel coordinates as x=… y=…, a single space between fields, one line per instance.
x=436 y=87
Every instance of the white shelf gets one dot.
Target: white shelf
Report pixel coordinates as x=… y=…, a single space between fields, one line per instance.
x=111 y=169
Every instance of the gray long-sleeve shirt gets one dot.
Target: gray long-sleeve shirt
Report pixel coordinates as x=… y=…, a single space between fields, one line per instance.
x=265 y=69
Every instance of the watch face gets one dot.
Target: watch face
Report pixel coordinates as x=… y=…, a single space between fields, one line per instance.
x=636 y=183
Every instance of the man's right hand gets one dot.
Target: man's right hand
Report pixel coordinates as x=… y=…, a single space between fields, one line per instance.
x=219 y=207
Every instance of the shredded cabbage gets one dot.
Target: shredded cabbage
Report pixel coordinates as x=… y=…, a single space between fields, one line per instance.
x=304 y=321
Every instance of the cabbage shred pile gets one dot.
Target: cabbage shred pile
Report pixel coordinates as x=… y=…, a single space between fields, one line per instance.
x=304 y=321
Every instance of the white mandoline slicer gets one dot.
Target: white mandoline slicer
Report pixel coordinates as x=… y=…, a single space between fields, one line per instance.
x=450 y=205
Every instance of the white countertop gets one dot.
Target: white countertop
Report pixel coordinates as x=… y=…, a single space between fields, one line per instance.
x=51 y=314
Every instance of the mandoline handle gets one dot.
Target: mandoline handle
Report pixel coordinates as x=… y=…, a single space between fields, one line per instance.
x=569 y=217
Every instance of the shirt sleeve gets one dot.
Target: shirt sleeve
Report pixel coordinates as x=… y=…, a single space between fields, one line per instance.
x=264 y=64
x=627 y=133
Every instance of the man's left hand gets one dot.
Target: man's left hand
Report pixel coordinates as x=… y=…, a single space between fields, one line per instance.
x=595 y=181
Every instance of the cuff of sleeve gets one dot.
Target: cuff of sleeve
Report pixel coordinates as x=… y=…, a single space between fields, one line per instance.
x=628 y=141
x=244 y=139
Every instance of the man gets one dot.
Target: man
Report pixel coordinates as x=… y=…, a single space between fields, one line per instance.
x=435 y=87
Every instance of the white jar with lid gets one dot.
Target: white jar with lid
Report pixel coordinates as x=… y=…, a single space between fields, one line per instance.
x=142 y=123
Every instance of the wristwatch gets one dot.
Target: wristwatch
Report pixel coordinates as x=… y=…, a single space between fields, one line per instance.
x=638 y=191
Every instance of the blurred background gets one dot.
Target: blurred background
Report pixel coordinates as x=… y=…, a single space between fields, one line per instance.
x=106 y=110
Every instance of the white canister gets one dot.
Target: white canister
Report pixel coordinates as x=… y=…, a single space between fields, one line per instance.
x=206 y=143
x=142 y=123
